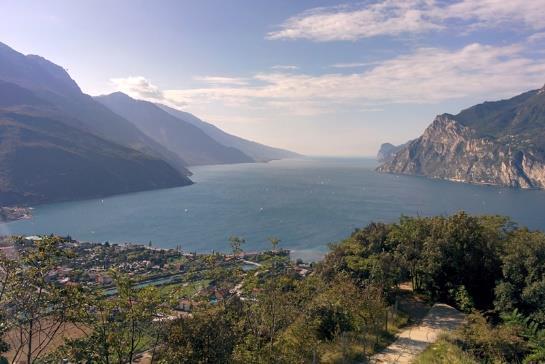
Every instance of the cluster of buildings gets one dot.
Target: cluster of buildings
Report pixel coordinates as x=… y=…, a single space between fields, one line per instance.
x=92 y=263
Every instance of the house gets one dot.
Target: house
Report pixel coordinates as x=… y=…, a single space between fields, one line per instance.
x=301 y=271
x=185 y=305
x=32 y=238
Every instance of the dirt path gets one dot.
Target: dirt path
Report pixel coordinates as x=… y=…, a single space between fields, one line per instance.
x=412 y=304
x=415 y=339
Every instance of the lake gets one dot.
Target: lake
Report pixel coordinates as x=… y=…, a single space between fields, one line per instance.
x=307 y=203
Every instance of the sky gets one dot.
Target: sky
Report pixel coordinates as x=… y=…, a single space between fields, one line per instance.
x=316 y=77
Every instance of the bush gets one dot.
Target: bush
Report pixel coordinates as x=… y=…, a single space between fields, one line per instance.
x=330 y=321
x=444 y=350
x=463 y=299
x=502 y=343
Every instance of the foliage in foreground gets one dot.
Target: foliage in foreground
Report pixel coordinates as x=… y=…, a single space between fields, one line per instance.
x=290 y=321
x=477 y=263
x=516 y=339
x=342 y=313
x=285 y=317
x=473 y=262
x=444 y=351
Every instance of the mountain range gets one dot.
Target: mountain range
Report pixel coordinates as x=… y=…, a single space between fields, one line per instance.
x=498 y=143
x=179 y=136
x=258 y=152
x=58 y=143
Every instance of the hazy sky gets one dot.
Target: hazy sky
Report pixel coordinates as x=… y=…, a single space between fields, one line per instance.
x=317 y=77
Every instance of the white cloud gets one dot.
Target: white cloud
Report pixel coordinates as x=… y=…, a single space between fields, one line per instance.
x=353 y=65
x=491 y=13
x=350 y=23
x=221 y=80
x=536 y=37
x=284 y=67
x=138 y=87
x=398 y=17
x=428 y=75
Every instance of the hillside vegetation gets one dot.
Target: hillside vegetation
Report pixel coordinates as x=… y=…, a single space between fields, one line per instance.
x=342 y=312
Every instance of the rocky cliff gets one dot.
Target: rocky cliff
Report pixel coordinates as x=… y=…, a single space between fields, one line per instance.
x=387 y=151
x=465 y=148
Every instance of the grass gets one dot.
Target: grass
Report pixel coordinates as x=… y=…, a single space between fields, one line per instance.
x=356 y=349
x=179 y=290
x=444 y=351
x=67 y=331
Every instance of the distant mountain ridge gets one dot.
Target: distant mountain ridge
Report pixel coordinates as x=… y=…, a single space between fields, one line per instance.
x=498 y=143
x=58 y=144
x=44 y=159
x=258 y=152
x=179 y=136
x=52 y=83
x=34 y=72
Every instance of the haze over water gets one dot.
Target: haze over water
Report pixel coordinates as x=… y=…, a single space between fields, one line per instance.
x=307 y=203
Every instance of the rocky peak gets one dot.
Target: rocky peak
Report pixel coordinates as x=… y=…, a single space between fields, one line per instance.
x=445 y=127
x=35 y=73
x=387 y=151
x=498 y=143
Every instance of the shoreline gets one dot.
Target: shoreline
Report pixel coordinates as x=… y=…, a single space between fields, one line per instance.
x=462 y=181
x=14 y=213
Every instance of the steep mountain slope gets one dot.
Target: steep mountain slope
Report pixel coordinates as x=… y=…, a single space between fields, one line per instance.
x=179 y=136
x=52 y=83
x=520 y=119
x=498 y=143
x=43 y=159
x=47 y=154
x=259 y=152
x=34 y=72
x=13 y=95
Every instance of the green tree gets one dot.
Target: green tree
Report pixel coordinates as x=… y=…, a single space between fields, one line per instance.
x=4 y=347
x=522 y=285
x=209 y=336
x=7 y=269
x=460 y=252
x=273 y=310
x=462 y=298
x=236 y=244
x=368 y=256
x=274 y=242
x=115 y=329
x=36 y=308
x=409 y=236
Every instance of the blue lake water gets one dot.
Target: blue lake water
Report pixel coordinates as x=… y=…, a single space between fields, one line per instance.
x=307 y=203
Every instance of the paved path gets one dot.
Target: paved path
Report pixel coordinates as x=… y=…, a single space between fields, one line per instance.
x=413 y=340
